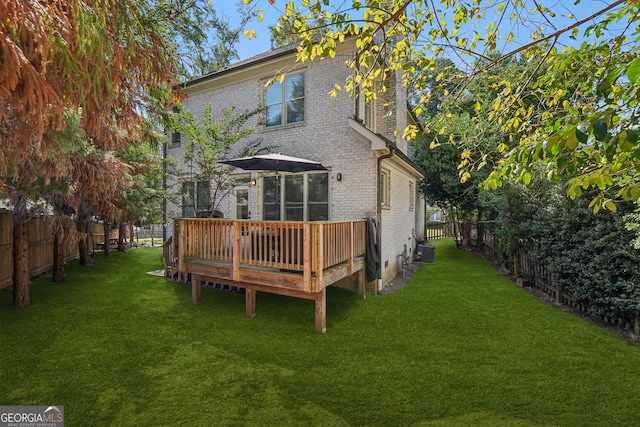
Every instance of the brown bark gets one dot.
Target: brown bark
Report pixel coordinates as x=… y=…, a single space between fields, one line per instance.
x=57 y=275
x=122 y=231
x=21 y=289
x=82 y=222
x=465 y=234
x=106 y=227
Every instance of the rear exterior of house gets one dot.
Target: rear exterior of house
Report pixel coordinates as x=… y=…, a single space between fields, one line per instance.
x=369 y=173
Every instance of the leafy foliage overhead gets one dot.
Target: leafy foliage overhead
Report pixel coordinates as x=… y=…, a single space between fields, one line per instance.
x=584 y=126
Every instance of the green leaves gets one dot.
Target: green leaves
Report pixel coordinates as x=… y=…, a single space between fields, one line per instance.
x=633 y=71
x=600 y=129
x=573 y=111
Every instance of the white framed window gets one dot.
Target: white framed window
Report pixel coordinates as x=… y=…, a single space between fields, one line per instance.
x=188 y=199
x=296 y=197
x=195 y=198
x=241 y=202
x=176 y=137
x=368 y=114
x=385 y=188
x=284 y=101
x=412 y=197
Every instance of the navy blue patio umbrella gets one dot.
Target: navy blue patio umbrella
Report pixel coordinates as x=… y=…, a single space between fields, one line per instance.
x=275 y=162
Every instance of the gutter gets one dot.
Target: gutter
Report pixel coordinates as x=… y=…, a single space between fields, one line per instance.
x=392 y=152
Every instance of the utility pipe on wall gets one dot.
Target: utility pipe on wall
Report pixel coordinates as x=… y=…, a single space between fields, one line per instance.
x=392 y=151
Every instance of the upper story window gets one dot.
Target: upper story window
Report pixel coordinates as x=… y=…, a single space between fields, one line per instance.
x=284 y=101
x=176 y=137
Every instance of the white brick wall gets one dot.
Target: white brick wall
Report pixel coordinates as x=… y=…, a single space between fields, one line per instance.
x=398 y=222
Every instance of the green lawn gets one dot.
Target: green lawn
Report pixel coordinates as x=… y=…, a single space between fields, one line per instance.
x=459 y=346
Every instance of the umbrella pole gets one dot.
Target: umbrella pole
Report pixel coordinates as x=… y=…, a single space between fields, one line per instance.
x=278 y=207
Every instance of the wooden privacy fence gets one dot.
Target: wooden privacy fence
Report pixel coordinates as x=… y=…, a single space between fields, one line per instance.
x=40 y=248
x=438 y=230
x=97 y=238
x=540 y=276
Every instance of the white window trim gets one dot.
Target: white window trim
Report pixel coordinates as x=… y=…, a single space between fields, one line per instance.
x=412 y=196
x=284 y=103
x=234 y=200
x=385 y=188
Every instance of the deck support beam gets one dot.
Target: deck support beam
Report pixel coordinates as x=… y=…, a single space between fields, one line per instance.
x=321 y=311
x=250 y=302
x=362 y=285
x=196 y=289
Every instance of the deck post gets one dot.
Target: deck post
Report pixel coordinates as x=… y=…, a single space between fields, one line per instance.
x=362 y=285
x=250 y=302
x=196 y=289
x=319 y=252
x=321 y=311
x=237 y=250
x=306 y=256
x=350 y=247
x=182 y=247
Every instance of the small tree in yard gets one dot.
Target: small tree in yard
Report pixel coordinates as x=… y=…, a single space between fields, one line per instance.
x=210 y=141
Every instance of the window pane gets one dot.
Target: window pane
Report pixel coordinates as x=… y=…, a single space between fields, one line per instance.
x=274 y=115
x=318 y=212
x=295 y=98
x=271 y=208
x=273 y=94
x=294 y=87
x=202 y=196
x=295 y=111
x=188 y=200
x=242 y=204
x=319 y=187
x=294 y=197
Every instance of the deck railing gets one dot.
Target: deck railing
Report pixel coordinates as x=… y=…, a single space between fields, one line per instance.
x=285 y=245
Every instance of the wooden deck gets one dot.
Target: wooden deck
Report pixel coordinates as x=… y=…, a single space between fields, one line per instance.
x=298 y=259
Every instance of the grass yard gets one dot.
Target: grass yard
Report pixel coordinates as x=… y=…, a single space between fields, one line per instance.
x=459 y=346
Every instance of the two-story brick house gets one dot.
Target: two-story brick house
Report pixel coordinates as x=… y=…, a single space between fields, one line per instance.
x=369 y=173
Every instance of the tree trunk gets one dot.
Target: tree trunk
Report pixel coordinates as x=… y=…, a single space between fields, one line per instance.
x=21 y=290
x=106 y=230
x=83 y=245
x=479 y=230
x=152 y=233
x=465 y=234
x=122 y=230
x=130 y=232
x=57 y=275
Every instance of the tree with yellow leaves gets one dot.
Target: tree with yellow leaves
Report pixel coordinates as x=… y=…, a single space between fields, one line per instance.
x=586 y=129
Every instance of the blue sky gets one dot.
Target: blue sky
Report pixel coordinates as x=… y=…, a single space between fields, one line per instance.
x=247 y=48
